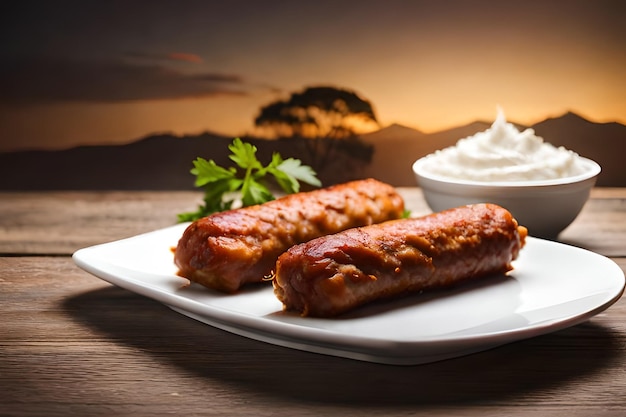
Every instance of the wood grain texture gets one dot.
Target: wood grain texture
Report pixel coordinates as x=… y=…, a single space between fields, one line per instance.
x=59 y=223
x=73 y=345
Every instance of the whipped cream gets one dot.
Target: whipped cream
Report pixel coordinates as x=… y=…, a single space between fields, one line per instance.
x=503 y=153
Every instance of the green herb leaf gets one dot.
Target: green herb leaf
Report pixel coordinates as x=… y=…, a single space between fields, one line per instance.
x=223 y=186
x=244 y=155
x=208 y=171
x=256 y=193
x=298 y=172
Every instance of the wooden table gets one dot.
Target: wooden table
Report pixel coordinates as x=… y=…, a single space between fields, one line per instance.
x=71 y=344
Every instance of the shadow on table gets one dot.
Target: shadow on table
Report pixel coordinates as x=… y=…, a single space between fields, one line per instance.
x=257 y=368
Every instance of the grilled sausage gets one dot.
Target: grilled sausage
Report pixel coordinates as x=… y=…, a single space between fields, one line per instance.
x=228 y=249
x=333 y=274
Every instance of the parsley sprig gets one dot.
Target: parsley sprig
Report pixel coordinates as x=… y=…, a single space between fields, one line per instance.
x=247 y=182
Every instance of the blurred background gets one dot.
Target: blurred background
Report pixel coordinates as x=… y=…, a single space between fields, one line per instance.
x=125 y=94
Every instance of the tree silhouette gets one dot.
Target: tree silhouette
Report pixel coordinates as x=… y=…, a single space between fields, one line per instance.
x=324 y=115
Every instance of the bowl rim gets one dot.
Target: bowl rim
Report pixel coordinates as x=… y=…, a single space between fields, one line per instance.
x=593 y=171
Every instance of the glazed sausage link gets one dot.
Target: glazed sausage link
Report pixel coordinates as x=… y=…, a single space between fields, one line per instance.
x=228 y=249
x=333 y=274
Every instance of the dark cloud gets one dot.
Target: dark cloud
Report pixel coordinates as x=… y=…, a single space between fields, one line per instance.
x=47 y=80
x=185 y=57
x=163 y=58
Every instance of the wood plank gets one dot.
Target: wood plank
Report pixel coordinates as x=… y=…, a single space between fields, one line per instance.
x=608 y=192
x=73 y=345
x=59 y=223
x=600 y=227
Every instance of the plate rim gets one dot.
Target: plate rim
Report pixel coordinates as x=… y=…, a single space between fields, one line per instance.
x=325 y=341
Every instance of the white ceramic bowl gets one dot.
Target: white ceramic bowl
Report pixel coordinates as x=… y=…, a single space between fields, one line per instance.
x=544 y=207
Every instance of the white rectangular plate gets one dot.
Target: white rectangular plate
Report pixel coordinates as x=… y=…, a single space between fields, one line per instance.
x=553 y=286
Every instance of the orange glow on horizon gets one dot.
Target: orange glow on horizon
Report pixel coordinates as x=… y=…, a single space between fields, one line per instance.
x=64 y=126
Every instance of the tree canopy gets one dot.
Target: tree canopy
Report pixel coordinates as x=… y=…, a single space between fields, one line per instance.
x=317 y=112
x=327 y=120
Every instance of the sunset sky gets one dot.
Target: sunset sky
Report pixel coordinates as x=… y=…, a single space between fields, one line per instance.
x=80 y=72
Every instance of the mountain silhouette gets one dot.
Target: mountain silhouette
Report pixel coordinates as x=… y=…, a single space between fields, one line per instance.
x=605 y=143
x=163 y=162
x=157 y=162
x=396 y=148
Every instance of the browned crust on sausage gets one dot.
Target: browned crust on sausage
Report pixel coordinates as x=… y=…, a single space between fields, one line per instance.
x=333 y=274
x=228 y=249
